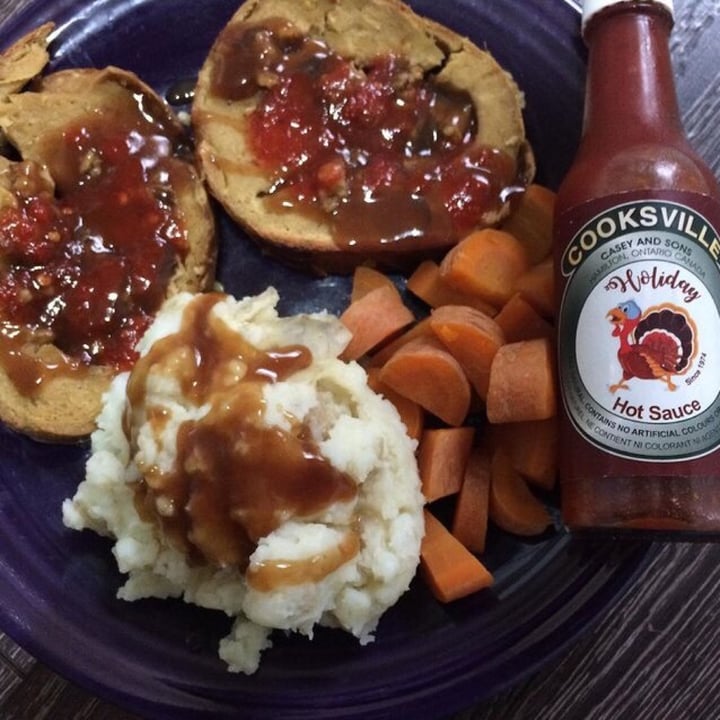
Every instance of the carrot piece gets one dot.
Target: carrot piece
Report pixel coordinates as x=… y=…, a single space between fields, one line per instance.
x=411 y=414
x=442 y=456
x=531 y=221
x=448 y=567
x=472 y=338
x=537 y=286
x=470 y=520
x=532 y=449
x=423 y=371
x=513 y=507
x=374 y=318
x=486 y=263
x=522 y=382
x=427 y=284
x=366 y=279
x=519 y=320
x=418 y=330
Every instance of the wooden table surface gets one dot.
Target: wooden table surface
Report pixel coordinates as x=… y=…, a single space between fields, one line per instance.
x=653 y=655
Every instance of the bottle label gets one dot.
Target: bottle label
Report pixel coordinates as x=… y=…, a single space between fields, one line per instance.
x=639 y=325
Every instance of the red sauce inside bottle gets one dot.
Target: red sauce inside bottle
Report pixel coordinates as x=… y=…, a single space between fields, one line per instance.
x=86 y=263
x=634 y=149
x=387 y=156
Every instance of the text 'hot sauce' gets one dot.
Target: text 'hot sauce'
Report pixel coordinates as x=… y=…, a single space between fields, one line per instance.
x=638 y=267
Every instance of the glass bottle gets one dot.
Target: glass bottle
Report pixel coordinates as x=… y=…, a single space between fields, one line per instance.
x=638 y=270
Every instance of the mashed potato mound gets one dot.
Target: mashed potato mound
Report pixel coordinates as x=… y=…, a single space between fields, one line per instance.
x=356 y=430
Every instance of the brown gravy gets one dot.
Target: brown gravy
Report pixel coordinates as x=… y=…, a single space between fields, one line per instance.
x=234 y=480
x=269 y=575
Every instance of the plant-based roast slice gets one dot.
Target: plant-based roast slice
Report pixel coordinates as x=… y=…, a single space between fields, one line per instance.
x=102 y=216
x=340 y=130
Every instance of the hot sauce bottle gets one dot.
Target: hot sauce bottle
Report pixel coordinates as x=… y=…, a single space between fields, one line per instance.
x=638 y=269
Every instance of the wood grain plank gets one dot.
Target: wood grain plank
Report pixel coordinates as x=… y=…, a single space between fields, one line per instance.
x=45 y=696
x=15 y=664
x=655 y=655
x=11 y=653
x=10 y=680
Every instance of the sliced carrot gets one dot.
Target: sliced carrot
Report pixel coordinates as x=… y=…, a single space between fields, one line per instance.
x=442 y=457
x=449 y=568
x=365 y=279
x=419 y=330
x=424 y=371
x=486 y=263
x=411 y=414
x=427 y=284
x=513 y=507
x=519 y=320
x=470 y=520
x=472 y=338
x=522 y=382
x=532 y=449
x=373 y=318
x=537 y=286
x=531 y=221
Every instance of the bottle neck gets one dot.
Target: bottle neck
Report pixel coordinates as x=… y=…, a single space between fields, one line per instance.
x=630 y=94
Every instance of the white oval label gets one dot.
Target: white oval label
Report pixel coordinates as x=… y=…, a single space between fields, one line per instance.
x=639 y=333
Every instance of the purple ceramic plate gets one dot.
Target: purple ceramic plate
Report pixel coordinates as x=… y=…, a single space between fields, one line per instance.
x=57 y=587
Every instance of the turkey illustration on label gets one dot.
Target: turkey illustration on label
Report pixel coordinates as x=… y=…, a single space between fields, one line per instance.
x=646 y=326
x=654 y=345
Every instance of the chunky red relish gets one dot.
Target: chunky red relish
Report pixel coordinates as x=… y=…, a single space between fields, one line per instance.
x=88 y=262
x=386 y=154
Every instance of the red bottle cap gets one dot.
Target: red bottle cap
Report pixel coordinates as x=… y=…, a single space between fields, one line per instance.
x=592 y=7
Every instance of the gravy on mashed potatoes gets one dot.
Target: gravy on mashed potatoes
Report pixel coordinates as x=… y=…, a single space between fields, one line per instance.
x=242 y=466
